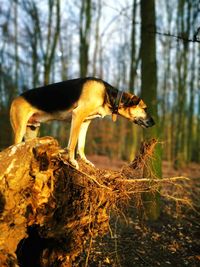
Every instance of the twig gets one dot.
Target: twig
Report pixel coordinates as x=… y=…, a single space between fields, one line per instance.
x=88 y=254
x=93 y=179
x=181 y=200
x=179 y=37
x=153 y=180
x=85 y=174
x=186 y=201
x=116 y=244
x=138 y=254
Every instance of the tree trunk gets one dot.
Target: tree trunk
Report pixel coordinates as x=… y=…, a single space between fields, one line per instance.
x=149 y=94
x=190 y=134
x=97 y=39
x=16 y=46
x=198 y=117
x=85 y=25
x=182 y=68
x=131 y=140
x=51 y=44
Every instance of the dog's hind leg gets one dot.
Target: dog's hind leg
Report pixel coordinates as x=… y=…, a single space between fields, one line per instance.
x=81 y=141
x=20 y=130
x=19 y=116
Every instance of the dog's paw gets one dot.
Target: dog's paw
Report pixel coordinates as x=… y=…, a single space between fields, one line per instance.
x=74 y=163
x=87 y=161
x=67 y=160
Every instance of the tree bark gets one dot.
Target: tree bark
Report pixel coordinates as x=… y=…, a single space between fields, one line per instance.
x=182 y=58
x=51 y=45
x=149 y=94
x=97 y=38
x=131 y=140
x=16 y=45
x=85 y=26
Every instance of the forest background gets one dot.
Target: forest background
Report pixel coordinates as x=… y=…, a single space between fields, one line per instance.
x=149 y=48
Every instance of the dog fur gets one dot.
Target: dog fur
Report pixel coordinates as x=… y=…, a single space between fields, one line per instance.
x=86 y=98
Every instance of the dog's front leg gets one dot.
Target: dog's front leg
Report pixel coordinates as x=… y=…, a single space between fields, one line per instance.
x=81 y=141
x=78 y=117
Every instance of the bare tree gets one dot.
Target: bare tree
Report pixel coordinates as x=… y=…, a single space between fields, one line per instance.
x=52 y=38
x=33 y=36
x=149 y=94
x=84 y=32
x=97 y=37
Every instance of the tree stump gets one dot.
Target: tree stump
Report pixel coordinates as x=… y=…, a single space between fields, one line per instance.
x=49 y=211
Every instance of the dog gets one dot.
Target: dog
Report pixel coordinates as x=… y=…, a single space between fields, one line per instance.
x=85 y=98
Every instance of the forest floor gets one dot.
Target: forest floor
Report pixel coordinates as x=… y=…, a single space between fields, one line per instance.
x=173 y=240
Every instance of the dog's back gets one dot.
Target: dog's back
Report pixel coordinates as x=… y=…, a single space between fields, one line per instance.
x=55 y=97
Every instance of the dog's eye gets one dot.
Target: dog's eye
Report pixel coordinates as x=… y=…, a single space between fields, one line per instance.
x=145 y=109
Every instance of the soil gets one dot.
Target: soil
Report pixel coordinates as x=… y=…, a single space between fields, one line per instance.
x=173 y=240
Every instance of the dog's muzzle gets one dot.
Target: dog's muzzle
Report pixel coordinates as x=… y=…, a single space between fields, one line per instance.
x=146 y=123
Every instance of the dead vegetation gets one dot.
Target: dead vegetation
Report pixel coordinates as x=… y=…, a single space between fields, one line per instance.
x=60 y=210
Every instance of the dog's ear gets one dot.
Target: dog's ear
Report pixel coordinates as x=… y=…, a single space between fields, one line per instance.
x=135 y=100
x=130 y=100
x=142 y=104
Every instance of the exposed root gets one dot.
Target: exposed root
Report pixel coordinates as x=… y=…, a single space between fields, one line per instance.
x=67 y=207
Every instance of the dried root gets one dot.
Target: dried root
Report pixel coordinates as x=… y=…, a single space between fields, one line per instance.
x=68 y=208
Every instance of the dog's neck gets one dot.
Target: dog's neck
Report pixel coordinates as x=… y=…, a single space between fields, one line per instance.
x=115 y=100
x=111 y=99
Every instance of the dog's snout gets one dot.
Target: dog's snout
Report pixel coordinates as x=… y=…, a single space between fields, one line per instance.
x=150 y=122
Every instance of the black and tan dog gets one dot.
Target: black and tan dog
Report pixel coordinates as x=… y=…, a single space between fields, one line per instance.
x=85 y=98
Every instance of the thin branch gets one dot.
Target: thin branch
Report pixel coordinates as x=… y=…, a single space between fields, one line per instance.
x=154 y=180
x=179 y=37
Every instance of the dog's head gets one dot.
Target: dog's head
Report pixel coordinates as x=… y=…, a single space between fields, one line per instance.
x=134 y=109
